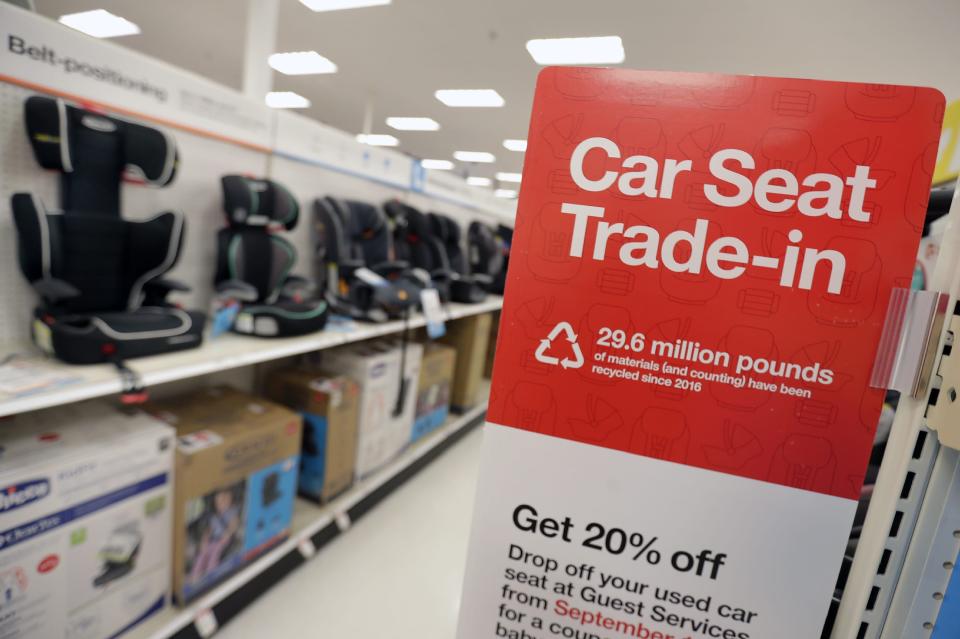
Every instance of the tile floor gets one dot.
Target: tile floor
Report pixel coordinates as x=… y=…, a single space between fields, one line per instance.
x=396 y=574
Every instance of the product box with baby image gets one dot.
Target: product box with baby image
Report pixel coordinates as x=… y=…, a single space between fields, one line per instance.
x=85 y=520
x=236 y=480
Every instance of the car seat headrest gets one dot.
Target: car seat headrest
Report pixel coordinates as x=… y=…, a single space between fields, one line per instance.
x=414 y=225
x=252 y=202
x=67 y=138
x=367 y=221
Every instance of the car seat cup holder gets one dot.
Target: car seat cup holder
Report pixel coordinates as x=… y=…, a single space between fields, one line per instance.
x=99 y=277
x=254 y=262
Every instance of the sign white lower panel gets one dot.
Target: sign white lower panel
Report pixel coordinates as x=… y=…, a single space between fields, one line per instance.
x=566 y=542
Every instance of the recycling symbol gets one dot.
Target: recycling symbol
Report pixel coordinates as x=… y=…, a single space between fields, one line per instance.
x=567 y=330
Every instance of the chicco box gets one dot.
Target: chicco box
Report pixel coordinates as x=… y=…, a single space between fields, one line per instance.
x=330 y=407
x=85 y=521
x=236 y=481
x=387 y=398
x=433 y=389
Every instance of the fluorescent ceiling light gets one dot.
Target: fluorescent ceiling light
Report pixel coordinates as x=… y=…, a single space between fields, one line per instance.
x=469 y=97
x=286 y=100
x=413 y=124
x=600 y=50
x=508 y=177
x=437 y=165
x=301 y=63
x=515 y=145
x=505 y=193
x=474 y=156
x=100 y=23
x=377 y=139
x=476 y=180
x=337 y=5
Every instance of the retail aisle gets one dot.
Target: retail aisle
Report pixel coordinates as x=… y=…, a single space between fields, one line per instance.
x=397 y=574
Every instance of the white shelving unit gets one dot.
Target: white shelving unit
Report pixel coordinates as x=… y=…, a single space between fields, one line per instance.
x=219 y=354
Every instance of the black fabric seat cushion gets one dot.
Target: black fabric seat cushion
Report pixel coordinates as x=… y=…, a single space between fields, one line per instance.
x=108 y=259
x=100 y=337
x=256 y=257
x=448 y=232
x=282 y=319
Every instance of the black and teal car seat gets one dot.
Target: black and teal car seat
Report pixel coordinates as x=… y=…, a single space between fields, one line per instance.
x=486 y=254
x=354 y=253
x=465 y=287
x=254 y=262
x=100 y=277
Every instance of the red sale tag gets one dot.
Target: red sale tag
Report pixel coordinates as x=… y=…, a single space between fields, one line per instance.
x=699 y=275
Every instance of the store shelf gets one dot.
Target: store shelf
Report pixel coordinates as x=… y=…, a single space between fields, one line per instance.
x=219 y=354
x=314 y=526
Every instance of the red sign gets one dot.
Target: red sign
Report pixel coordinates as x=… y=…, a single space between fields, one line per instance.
x=701 y=267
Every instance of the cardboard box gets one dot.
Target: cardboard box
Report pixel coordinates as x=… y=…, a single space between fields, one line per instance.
x=236 y=481
x=385 y=423
x=433 y=389
x=469 y=336
x=85 y=521
x=330 y=407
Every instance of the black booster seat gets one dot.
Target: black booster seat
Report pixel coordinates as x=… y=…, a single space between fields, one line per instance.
x=486 y=253
x=466 y=288
x=100 y=277
x=254 y=264
x=355 y=254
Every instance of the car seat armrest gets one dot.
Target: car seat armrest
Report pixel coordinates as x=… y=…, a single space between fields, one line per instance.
x=390 y=268
x=155 y=291
x=441 y=274
x=421 y=277
x=446 y=275
x=54 y=291
x=162 y=286
x=297 y=287
x=237 y=289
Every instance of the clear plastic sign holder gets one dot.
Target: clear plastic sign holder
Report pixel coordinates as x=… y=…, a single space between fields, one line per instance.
x=905 y=558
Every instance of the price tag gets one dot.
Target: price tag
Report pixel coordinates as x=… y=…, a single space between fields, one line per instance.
x=206 y=623
x=343 y=521
x=223 y=318
x=307 y=548
x=433 y=311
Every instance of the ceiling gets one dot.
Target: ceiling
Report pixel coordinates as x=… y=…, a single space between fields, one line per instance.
x=392 y=58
